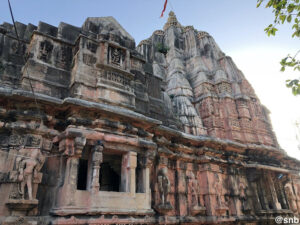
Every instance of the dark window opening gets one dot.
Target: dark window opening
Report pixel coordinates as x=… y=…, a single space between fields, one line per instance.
x=84 y=169
x=110 y=173
x=270 y=206
x=139 y=180
x=82 y=174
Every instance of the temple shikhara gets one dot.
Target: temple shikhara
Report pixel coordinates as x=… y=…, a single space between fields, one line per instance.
x=96 y=130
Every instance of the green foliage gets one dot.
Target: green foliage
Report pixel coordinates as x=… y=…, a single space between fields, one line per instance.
x=160 y=47
x=286 y=11
x=295 y=85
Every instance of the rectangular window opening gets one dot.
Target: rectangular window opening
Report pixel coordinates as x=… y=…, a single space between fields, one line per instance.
x=83 y=169
x=139 y=179
x=110 y=172
x=82 y=174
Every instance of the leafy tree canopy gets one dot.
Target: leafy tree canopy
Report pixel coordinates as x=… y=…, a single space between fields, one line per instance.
x=286 y=11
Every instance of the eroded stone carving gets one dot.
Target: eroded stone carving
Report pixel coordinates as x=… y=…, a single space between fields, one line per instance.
x=221 y=207
x=246 y=207
x=164 y=189
x=89 y=59
x=46 y=48
x=28 y=167
x=116 y=55
x=194 y=190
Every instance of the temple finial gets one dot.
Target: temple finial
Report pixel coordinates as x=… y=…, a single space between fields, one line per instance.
x=172 y=21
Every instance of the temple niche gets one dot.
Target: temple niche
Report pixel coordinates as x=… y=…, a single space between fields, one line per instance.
x=165 y=132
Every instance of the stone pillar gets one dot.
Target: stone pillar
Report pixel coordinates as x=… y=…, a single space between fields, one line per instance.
x=70 y=183
x=145 y=162
x=128 y=172
x=273 y=193
x=132 y=166
x=127 y=61
x=97 y=158
x=72 y=150
x=105 y=52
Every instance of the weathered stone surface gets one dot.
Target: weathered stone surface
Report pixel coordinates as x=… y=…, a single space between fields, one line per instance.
x=169 y=132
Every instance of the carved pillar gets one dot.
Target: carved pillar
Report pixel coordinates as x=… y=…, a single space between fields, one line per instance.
x=70 y=182
x=128 y=172
x=105 y=53
x=145 y=163
x=291 y=197
x=97 y=158
x=253 y=176
x=273 y=194
x=132 y=166
x=72 y=149
x=127 y=61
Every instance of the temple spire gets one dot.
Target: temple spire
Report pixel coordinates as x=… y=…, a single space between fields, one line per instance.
x=172 y=21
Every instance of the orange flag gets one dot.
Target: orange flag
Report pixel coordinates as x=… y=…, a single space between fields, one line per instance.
x=165 y=6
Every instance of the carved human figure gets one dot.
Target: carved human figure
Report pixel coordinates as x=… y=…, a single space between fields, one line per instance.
x=243 y=197
x=28 y=168
x=193 y=187
x=163 y=186
x=219 y=191
x=290 y=197
x=194 y=190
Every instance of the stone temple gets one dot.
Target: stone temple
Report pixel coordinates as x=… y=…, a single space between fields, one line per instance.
x=94 y=130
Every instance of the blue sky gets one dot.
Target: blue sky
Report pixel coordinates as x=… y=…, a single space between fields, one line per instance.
x=229 y=21
x=236 y=25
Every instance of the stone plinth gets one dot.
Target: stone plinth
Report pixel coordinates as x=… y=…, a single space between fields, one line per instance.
x=21 y=207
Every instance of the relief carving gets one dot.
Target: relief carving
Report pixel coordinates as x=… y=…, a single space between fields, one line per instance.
x=28 y=167
x=88 y=59
x=16 y=140
x=194 y=191
x=116 y=56
x=164 y=190
x=246 y=207
x=33 y=141
x=65 y=57
x=224 y=88
x=46 y=48
x=221 y=206
x=4 y=140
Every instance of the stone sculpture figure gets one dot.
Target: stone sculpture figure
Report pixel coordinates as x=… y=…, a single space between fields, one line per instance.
x=164 y=189
x=28 y=168
x=219 y=193
x=243 y=197
x=193 y=187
